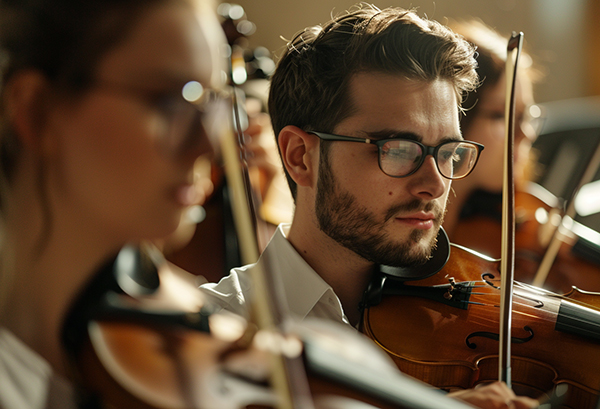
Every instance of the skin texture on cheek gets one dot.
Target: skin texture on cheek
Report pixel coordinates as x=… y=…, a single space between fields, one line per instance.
x=106 y=170
x=355 y=227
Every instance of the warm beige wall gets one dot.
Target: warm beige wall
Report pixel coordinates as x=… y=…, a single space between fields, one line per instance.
x=593 y=46
x=554 y=30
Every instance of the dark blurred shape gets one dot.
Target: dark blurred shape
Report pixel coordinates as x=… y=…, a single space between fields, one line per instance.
x=234 y=22
x=568 y=139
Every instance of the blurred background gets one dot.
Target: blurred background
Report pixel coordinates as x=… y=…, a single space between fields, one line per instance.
x=562 y=35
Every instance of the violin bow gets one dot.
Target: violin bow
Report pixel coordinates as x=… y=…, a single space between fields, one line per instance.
x=265 y=309
x=515 y=44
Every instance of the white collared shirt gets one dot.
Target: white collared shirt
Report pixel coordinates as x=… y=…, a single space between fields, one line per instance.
x=27 y=380
x=307 y=294
x=24 y=374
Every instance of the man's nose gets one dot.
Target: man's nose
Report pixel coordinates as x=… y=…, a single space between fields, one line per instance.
x=427 y=182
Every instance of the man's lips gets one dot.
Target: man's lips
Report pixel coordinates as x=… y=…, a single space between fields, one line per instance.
x=418 y=220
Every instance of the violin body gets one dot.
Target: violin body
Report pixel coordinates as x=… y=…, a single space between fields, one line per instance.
x=159 y=345
x=449 y=338
x=129 y=365
x=153 y=346
x=141 y=366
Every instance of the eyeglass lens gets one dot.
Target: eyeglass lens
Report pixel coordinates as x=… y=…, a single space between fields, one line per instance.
x=454 y=160
x=195 y=114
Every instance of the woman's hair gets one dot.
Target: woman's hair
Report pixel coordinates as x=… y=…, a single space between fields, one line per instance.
x=491 y=63
x=310 y=86
x=64 y=40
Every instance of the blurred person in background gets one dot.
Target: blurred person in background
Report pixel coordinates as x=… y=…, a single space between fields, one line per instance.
x=98 y=147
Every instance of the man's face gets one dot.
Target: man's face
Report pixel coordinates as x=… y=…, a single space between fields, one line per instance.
x=387 y=220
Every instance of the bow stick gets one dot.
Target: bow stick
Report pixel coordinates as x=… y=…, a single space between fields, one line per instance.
x=266 y=310
x=508 y=211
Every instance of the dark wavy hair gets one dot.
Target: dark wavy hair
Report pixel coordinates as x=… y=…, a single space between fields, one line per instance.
x=309 y=88
x=63 y=39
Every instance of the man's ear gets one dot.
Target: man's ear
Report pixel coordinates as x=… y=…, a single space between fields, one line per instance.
x=25 y=102
x=299 y=154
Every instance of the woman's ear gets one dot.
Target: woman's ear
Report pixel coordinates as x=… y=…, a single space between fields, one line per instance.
x=25 y=103
x=300 y=154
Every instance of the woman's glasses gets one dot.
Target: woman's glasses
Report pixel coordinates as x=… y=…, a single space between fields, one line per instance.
x=402 y=157
x=188 y=115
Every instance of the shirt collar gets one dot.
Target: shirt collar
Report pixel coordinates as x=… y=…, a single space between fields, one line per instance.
x=26 y=385
x=304 y=288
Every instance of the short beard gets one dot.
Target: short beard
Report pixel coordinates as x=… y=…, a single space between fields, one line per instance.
x=354 y=227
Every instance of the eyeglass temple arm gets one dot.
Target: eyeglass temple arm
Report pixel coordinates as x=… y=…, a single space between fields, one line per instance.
x=330 y=137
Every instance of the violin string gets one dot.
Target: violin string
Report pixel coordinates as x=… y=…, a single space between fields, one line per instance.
x=465 y=289
x=537 y=292
x=534 y=297
x=551 y=315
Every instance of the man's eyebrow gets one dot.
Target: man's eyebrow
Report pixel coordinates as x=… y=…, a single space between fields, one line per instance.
x=390 y=134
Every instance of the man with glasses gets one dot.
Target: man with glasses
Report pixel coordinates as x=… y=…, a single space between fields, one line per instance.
x=366 y=112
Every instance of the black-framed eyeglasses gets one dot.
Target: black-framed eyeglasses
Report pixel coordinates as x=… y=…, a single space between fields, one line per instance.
x=190 y=113
x=400 y=157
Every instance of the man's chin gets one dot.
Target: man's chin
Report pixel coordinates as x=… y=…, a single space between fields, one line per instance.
x=423 y=243
x=418 y=255
x=423 y=237
x=408 y=253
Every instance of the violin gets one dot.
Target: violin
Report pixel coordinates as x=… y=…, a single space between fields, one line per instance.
x=537 y=216
x=450 y=337
x=147 y=348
